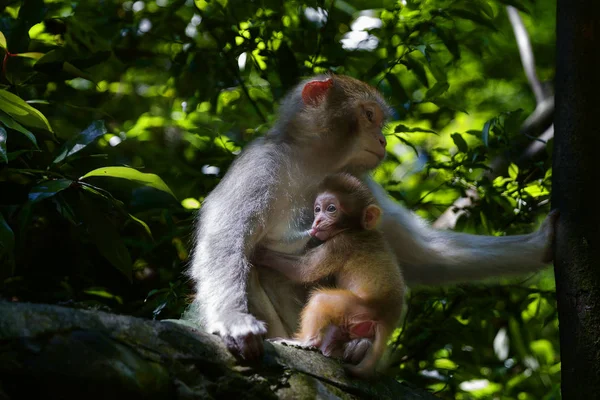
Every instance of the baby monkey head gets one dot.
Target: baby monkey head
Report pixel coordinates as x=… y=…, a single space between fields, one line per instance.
x=344 y=203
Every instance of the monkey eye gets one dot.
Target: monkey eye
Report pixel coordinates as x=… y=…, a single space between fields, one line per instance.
x=317 y=209
x=369 y=114
x=331 y=208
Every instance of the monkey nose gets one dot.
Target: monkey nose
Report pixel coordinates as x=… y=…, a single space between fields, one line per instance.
x=382 y=140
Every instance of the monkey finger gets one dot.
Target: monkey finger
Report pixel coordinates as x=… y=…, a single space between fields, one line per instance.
x=255 y=347
x=232 y=346
x=249 y=346
x=355 y=350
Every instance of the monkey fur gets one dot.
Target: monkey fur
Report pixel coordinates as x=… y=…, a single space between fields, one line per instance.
x=327 y=124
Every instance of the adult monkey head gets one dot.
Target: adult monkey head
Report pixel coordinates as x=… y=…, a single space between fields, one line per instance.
x=337 y=121
x=265 y=202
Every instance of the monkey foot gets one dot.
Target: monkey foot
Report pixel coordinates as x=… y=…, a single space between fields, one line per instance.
x=295 y=343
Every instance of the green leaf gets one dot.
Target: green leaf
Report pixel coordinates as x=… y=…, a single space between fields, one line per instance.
x=50 y=62
x=48 y=189
x=73 y=70
x=142 y=224
x=397 y=89
x=104 y=294
x=153 y=292
x=105 y=236
x=84 y=38
x=17 y=108
x=485 y=223
x=7 y=238
x=12 y=124
x=403 y=128
x=417 y=68
x=345 y=7
x=2 y=41
x=31 y=12
x=15 y=154
x=64 y=208
x=444 y=103
x=486 y=8
x=3 y=151
x=39 y=101
x=512 y=121
x=34 y=56
x=133 y=175
x=406 y=142
x=459 y=141
x=513 y=171
x=79 y=142
x=437 y=89
x=422 y=48
x=473 y=16
x=518 y=4
x=449 y=41
x=535 y=190
x=438 y=68
x=543 y=351
x=485 y=133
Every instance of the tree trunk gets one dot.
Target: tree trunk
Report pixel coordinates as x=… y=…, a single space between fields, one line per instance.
x=52 y=352
x=575 y=181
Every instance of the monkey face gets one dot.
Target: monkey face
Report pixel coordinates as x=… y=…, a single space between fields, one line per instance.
x=369 y=149
x=329 y=217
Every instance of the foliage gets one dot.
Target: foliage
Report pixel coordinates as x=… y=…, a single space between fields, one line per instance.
x=117 y=118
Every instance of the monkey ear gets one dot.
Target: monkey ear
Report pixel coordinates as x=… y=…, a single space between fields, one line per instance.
x=371 y=216
x=314 y=91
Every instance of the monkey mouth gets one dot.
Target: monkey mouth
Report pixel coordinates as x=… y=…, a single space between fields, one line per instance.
x=324 y=235
x=319 y=234
x=379 y=154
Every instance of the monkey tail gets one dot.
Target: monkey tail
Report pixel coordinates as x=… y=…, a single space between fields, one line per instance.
x=367 y=367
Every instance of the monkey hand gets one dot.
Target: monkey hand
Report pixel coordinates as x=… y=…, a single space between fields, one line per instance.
x=546 y=235
x=242 y=334
x=356 y=349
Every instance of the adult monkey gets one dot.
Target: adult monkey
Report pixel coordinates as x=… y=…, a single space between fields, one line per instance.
x=326 y=124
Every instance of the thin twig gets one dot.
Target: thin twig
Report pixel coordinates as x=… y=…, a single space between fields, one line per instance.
x=320 y=40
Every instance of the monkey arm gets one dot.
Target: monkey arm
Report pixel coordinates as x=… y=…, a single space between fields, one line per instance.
x=430 y=256
x=232 y=221
x=297 y=237
x=287 y=264
x=320 y=262
x=317 y=263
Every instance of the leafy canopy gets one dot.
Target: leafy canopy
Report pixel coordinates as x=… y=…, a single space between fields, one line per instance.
x=118 y=117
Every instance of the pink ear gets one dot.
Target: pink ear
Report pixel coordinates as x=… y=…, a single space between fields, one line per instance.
x=371 y=216
x=314 y=91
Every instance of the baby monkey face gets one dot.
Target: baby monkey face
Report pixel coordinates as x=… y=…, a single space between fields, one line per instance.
x=330 y=218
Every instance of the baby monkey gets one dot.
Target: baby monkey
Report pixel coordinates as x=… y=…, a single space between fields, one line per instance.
x=369 y=288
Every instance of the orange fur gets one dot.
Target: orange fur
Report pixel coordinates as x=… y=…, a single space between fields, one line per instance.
x=369 y=284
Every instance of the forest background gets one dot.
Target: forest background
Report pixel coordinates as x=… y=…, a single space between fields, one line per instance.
x=118 y=118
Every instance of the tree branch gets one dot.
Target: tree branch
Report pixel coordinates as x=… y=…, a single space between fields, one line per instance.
x=526 y=52
x=540 y=120
x=56 y=352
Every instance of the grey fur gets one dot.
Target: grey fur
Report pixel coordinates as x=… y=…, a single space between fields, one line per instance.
x=266 y=199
